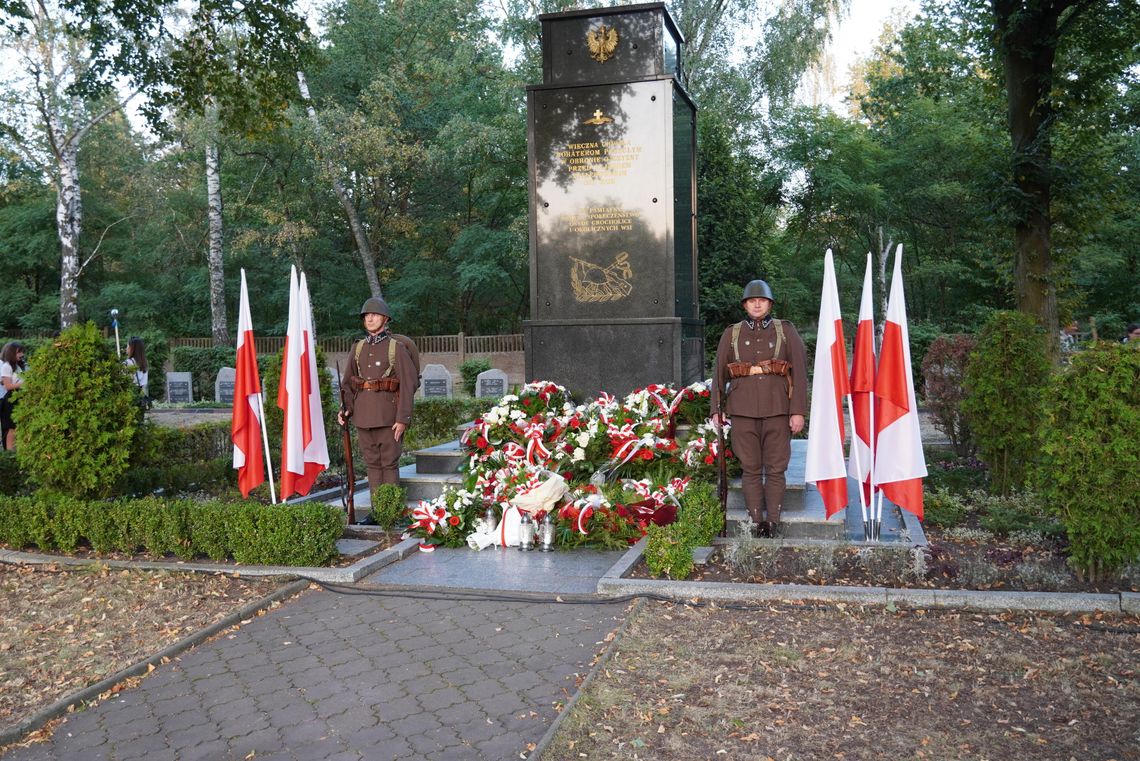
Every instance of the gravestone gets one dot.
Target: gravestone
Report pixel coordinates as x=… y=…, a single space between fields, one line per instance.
x=611 y=136
x=224 y=385
x=178 y=388
x=492 y=383
x=436 y=382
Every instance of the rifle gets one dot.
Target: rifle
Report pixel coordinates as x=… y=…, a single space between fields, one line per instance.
x=348 y=489
x=721 y=466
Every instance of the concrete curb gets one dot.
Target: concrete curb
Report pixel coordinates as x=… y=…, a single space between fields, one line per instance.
x=15 y=732
x=612 y=647
x=614 y=583
x=345 y=575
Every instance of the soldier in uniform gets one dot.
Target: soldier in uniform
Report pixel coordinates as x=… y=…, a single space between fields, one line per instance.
x=763 y=363
x=378 y=396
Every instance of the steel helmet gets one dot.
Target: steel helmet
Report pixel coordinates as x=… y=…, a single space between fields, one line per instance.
x=375 y=305
x=757 y=289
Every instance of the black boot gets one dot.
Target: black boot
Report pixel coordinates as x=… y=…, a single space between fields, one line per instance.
x=763 y=529
x=771 y=529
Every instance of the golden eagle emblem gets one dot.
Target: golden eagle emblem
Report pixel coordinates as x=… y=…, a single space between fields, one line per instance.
x=602 y=42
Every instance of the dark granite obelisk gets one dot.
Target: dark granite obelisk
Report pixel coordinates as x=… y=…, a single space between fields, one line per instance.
x=613 y=260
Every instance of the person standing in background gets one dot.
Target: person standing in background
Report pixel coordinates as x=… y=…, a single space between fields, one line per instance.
x=136 y=361
x=12 y=367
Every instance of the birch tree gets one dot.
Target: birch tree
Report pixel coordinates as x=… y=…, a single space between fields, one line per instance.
x=47 y=118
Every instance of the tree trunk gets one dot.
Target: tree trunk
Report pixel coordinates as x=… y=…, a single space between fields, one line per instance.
x=1027 y=42
x=69 y=223
x=218 y=328
x=367 y=258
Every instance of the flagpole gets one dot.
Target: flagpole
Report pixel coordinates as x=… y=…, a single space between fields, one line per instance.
x=265 y=442
x=858 y=464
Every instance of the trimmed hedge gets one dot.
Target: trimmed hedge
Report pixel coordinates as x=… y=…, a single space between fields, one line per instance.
x=303 y=534
x=669 y=550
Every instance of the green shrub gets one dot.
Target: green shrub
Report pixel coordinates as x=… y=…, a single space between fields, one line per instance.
x=942 y=508
x=960 y=475
x=77 y=415
x=249 y=532
x=470 y=371
x=389 y=505
x=669 y=550
x=1088 y=469
x=302 y=534
x=1004 y=381
x=1019 y=512
x=944 y=373
x=12 y=480
x=434 y=421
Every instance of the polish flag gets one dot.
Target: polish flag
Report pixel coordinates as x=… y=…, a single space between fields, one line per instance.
x=304 y=449
x=245 y=430
x=862 y=390
x=829 y=385
x=899 y=463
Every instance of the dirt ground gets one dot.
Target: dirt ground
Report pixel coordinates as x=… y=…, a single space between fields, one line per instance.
x=947 y=563
x=806 y=681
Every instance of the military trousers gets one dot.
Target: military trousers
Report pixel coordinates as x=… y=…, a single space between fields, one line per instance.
x=381 y=452
x=764 y=448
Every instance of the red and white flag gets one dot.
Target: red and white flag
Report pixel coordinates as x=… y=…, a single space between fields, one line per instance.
x=863 y=389
x=899 y=462
x=825 y=466
x=304 y=449
x=245 y=430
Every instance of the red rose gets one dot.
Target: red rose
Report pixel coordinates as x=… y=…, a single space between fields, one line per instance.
x=453 y=520
x=526 y=402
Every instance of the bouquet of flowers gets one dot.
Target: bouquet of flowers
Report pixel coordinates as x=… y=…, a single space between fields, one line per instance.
x=446 y=520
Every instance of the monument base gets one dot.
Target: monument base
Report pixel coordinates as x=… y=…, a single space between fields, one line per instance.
x=616 y=355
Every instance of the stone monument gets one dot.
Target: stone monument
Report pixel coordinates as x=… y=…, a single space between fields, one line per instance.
x=611 y=138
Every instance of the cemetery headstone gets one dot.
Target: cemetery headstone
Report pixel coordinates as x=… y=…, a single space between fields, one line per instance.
x=178 y=388
x=436 y=382
x=492 y=383
x=224 y=385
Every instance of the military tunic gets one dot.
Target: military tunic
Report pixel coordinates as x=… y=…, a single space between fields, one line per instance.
x=375 y=412
x=759 y=407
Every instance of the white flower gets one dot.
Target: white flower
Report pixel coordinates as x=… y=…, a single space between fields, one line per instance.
x=583 y=439
x=579 y=455
x=517 y=414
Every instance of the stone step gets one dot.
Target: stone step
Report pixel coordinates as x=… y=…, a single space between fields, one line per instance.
x=426 y=485
x=443 y=458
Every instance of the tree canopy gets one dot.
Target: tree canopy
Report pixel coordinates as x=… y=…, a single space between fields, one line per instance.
x=418 y=116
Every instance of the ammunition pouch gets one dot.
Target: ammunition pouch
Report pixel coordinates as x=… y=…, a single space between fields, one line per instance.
x=380 y=384
x=763 y=367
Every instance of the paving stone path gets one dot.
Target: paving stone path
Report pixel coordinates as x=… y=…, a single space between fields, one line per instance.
x=370 y=674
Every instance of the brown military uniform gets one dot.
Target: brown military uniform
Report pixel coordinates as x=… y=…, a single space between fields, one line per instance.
x=374 y=412
x=759 y=406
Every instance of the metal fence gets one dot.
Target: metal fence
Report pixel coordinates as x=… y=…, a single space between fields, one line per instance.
x=454 y=344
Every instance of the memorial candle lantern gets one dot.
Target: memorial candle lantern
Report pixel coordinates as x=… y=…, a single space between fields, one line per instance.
x=526 y=533
x=546 y=533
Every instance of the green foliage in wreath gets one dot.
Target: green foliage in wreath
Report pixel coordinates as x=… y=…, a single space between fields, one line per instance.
x=77 y=415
